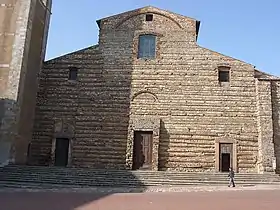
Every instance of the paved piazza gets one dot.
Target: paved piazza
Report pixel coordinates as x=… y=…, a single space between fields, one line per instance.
x=254 y=198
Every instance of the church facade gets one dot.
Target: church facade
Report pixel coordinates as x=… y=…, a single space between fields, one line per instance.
x=148 y=97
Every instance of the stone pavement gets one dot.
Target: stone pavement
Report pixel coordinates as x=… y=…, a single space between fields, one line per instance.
x=220 y=200
x=204 y=197
x=149 y=189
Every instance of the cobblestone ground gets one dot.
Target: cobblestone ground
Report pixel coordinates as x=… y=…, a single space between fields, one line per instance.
x=179 y=198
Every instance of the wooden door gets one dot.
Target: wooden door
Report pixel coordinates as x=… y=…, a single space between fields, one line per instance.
x=142 y=150
x=61 y=152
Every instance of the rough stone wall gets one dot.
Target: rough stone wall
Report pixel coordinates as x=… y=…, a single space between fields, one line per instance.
x=114 y=89
x=61 y=102
x=29 y=85
x=276 y=120
x=194 y=109
x=8 y=11
x=8 y=14
x=265 y=126
x=101 y=132
x=14 y=33
x=47 y=4
x=21 y=65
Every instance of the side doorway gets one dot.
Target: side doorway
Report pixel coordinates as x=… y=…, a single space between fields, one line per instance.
x=61 y=152
x=226 y=155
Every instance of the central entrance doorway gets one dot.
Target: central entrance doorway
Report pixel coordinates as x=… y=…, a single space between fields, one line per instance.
x=61 y=152
x=226 y=155
x=142 y=150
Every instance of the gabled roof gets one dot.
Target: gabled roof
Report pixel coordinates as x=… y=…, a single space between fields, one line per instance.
x=148 y=9
x=93 y=47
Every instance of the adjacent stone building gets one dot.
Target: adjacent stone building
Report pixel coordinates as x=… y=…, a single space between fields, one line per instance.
x=23 y=35
x=149 y=97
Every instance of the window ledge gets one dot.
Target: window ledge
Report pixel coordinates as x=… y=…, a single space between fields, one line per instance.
x=146 y=59
x=224 y=84
x=72 y=82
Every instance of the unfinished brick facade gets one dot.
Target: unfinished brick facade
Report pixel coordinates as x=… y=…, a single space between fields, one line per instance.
x=23 y=33
x=177 y=97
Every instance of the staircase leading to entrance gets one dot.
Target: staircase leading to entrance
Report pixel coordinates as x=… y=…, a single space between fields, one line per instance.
x=38 y=177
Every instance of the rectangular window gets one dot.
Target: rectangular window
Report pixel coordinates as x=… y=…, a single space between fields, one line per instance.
x=223 y=75
x=73 y=73
x=147 y=46
x=149 y=17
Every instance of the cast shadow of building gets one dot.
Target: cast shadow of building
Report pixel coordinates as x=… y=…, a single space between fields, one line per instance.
x=6 y=115
x=67 y=200
x=163 y=147
x=92 y=110
x=65 y=188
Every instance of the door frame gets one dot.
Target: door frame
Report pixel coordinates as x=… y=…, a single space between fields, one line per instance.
x=143 y=124
x=62 y=129
x=69 y=163
x=225 y=140
x=150 y=147
x=228 y=152
x=67 y=150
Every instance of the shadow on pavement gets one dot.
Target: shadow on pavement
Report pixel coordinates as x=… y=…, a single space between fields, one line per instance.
x=61 y=188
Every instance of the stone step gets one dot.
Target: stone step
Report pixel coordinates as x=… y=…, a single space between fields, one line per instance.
x=55 y=177
x=114 y=179
x=34 y=185
x=117 y=179
x=125 y=183
x=133 y=173
x=125 y=177
x=130 y=176
x=87 y=170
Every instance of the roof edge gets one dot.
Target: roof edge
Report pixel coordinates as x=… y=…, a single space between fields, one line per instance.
x=213 y=51
x=261 y=75
x=70 y=53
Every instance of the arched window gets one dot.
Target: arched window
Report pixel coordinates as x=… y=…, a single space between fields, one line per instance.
x=147 y=46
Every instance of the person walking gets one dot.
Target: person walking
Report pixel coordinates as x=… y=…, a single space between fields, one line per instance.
x=231 y=177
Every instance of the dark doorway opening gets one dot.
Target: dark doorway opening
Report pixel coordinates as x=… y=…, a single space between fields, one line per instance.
x=226 y=155
x=142 y=150
x=61 y=152
x=225 y=162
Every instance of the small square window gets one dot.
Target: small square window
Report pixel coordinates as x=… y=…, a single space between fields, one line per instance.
x=73 y=73
x=149 y=17
x=223 y=75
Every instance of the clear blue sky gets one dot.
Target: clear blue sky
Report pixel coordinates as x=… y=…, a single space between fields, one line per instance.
x=245 y=29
